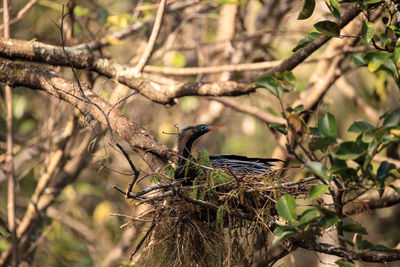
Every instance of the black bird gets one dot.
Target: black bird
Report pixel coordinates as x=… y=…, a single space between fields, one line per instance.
x=235 y=163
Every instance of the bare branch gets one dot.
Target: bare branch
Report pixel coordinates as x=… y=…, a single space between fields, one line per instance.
x=37 y=77
x=153 y=37
x=251 y=110
x=12 y=184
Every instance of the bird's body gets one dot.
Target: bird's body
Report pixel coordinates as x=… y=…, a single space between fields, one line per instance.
x=234 y=163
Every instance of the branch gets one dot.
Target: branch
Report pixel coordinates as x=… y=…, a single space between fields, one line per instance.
x=38 y=77
x=127 y=75
x=10 y=174
x=153 y=37
x=370 y=256
x=66 y=175
x=371 y=202
x=20 y=14
x=122 y=34
x=300 y=55
x=251 y=110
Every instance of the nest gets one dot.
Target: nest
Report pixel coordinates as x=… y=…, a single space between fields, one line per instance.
x=218 y=220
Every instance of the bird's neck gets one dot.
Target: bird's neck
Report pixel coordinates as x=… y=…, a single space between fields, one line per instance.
x=184 y=149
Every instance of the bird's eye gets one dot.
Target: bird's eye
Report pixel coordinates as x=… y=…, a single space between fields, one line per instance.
x=203 y=128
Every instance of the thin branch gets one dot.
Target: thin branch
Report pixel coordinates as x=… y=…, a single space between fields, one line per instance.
x=12 y=185
x=153 y=37
x=122 y=34
x=21 y=13
x=251 y=110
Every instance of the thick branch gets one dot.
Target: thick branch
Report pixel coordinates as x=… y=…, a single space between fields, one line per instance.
x=38 y=77
x=36 y=51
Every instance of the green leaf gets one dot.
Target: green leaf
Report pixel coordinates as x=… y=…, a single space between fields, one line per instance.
x=384 y=170
x=392 y=119
x=390 y=66
x=283 y=232
x=328 y=28
x=308 y=39
x=308 y=216
x=317 y=190
x=350 y=150
x=360 y=126
x=354 y=228
x=271 y=84
x=375 y=63
x=288 y=81
x=360 y=60
x=298 y=109
x=330 y=218
x=367 y=31
x=334 y=8
x=321 y=143
x=279 y=127
x=286 y=207
x=362 y=244
x=318 y=169
x=307 y=10
x=327 y=126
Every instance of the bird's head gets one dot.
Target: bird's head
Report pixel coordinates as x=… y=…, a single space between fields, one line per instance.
x=196 y=131
x=189 y=134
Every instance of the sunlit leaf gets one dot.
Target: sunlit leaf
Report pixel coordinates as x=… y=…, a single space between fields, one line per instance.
x=318 y=169
x=271 y=84
x=308 y=216
x=367 y=31
x=327 y=126
x=283 y=232
x=317 y=191
x=286 y=207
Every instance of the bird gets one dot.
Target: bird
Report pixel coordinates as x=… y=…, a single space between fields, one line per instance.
x=233 y=163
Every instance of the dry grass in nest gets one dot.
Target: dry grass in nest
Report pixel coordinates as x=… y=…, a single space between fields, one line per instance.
x=214 y=222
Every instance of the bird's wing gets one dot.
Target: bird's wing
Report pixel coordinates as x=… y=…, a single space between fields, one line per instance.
x=242 y=164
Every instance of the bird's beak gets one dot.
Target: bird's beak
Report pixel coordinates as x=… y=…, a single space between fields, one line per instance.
x=210 y=128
